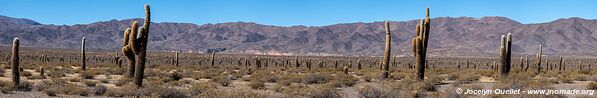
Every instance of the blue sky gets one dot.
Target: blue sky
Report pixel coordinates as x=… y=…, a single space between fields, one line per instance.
x=291 y=12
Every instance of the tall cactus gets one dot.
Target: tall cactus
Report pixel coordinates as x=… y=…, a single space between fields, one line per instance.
x=213 y=59
x=420 y=42
x=561 y=63
x=526 y=58
x=15 y=62
x=176 y=58
x=83 y=59
x=505 y=54
x=135 y=46
x=539 y=59
x=387 y=54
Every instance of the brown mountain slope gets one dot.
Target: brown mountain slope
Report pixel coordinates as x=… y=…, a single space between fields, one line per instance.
x=462 y=36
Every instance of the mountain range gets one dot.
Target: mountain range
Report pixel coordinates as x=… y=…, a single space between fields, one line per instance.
x=460 y=36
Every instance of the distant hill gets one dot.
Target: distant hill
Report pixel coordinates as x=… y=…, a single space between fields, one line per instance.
x=462 y=36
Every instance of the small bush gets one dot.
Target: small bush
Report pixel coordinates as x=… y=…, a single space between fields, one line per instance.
x=592 y=85
x=203 y=88
x=99 y=90
x=286 y=80
x=223 y=80
x=256 y=84
x=89 y=83
x=316 y=78
x=171 y=93
x=345 y=79
x=87 y=75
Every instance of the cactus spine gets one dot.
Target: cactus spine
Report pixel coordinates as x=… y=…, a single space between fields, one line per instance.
x=420 y=45
x=83 y=65
x=15 y=62
x=387 y=54
x=505 y=54
x=135 y=46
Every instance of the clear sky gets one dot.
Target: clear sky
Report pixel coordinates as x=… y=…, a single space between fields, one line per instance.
x=292 y=12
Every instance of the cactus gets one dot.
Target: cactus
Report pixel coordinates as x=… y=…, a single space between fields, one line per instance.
x=521 y=63
x=561 y=63
x=15 y=62
x=41 y=71
x=117 y=60
x=135 y=46
x=538 y=60
x=358 y=64
x=83 y=65
x=420 y=42
x=505 y=54
x=526 y=59
x=345 y=69
x=258 y=62
x=176 y=58
x=387 y=53
x=309 y=64
x=213 y=59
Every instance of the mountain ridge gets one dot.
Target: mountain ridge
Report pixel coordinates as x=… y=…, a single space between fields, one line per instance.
x=460 y=36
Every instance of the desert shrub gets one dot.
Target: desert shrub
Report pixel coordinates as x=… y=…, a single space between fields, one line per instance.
x=89 y=83
x=55 y=73
x=239 y=93
x=116 y=71
x=290 y=78
x=374 y=92
x=26 y=73
x=24 y=86
x=176 y=76
x=345 y=80
x=2 y=71
x=155 y=73
x=257 y=84
x=73 y=89
x=277 y=88
x=99 y=90
x=74 y=79
x=468 y=78
x=87 y=74
x=223 y=80
x=592 y=85
x=316 y=78
x=171 y=93
x=311 y=92
x=104 y=80
x=124 y=90
x=123 y=81
x=369 y=77
x=203 y=88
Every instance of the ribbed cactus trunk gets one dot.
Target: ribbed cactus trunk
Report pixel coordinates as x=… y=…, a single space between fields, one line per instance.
x=258 y=62
x=561 y=64
x=15 y=62
x=213 y=59
x=539 y=59
x=505 y=54
x=521 y=63
x=387 y=54
x=420 y=45
x=83 y=59
x=359 y=64
x=526 y=58
x=135 y=46
x=176 y=58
